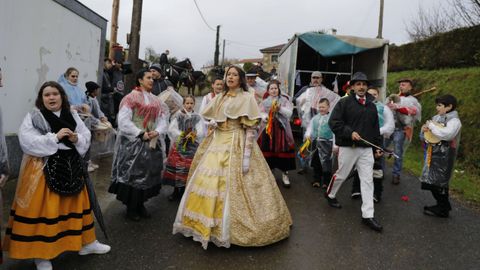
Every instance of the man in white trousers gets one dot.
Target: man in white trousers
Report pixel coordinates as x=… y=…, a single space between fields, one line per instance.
x=354 y=120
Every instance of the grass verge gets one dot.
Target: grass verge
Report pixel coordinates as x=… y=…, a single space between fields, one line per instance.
x=464 y=185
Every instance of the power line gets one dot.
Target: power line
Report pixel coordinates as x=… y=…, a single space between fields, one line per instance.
x=201 y=15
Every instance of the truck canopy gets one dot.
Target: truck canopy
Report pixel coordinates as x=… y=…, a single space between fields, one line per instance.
x=336 y=56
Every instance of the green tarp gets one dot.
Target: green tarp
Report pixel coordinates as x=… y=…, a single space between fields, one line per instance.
x=336 y=45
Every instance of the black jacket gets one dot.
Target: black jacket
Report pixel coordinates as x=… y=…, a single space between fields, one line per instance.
x=349 y=116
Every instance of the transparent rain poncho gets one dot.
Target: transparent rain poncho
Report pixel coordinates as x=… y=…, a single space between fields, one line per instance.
x=139 y=163
x=186 y=131
x=440 y=157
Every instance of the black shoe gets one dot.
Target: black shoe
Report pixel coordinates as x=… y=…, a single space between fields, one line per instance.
x=356 y=195
x=302 y=171
x=435 y=211
x=333 y=202
x=373 y=224
x=133 y=215
x=176 y=194
x=396 y=179
x=142 y=211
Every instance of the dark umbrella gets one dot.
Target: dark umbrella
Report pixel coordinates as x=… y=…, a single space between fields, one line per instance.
x=93 y=201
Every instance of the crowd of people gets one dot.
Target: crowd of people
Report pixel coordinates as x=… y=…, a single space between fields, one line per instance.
x=219 y=160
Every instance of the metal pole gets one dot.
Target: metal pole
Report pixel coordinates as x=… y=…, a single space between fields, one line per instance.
x=223 y=53
x=134 y=48
x=380 y=20
x=217 y=49
x=114 y=28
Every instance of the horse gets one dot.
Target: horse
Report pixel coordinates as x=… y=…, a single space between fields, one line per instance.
x=190 y=79
x=174 y=72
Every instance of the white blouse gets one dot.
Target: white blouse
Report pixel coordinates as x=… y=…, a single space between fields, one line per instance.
x=127 y=127
x=35 y=144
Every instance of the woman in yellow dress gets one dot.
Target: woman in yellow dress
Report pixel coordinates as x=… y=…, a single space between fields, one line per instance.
x=231 y=195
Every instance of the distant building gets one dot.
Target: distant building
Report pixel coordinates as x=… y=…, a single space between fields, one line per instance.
x=270 y=57
x=254 y=61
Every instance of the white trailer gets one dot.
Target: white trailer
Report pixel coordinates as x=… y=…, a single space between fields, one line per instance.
x=39 y=40
x=336 y=56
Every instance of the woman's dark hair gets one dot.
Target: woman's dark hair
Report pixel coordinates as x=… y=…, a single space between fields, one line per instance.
x=447 y=100
x=69 y=71
x=39 y=101
x=241 y=75
x=189 y=96
x=278 y=85
x=140 y=75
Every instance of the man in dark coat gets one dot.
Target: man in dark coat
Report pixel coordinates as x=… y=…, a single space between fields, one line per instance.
x=354 y=121
x=164 y=60
x=106 y=104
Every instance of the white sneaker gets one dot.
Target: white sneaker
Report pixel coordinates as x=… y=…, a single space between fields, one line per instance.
x=94 y=248
x=43 y=264
x=285 y=180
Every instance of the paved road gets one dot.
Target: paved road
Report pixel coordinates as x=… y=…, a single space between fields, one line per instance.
x=321 y=237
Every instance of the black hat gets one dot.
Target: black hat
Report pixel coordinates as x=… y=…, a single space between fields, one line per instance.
x=156 y=67
x=91 y=86
x=358 y=76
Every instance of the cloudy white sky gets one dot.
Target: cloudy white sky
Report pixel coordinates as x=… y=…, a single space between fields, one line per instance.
x=249 y=25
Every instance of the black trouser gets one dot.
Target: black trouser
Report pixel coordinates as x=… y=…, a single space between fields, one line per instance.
x=317 y=167
x=441 y=196
x=377 y=185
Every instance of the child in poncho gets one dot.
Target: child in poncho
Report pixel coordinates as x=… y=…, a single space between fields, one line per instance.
x=186 y=130
x=440 y=155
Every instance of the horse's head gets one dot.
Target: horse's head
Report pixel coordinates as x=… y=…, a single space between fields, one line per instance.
x=188 y=63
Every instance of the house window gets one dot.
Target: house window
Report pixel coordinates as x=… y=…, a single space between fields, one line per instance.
x=274 y=58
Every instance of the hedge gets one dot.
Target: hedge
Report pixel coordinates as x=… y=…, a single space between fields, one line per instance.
x=454 y=49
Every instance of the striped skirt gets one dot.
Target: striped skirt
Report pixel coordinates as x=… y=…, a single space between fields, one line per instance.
x=51 y=224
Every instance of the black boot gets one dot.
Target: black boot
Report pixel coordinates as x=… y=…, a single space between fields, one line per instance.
x=326 y=178
x=356 y=194
x=133 y=214
x=142 y=211
x=176 y=194
x=377 y=189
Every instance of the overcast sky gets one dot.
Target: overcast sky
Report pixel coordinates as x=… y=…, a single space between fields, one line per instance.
x=249 y=25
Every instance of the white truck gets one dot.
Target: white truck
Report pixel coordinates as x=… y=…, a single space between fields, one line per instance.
x=336 y=56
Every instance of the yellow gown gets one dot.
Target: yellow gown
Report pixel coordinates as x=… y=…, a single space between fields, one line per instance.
x=221 y=204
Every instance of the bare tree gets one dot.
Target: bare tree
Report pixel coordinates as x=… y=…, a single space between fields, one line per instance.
x=430 y=23
x=151 y=55
x=468 y=11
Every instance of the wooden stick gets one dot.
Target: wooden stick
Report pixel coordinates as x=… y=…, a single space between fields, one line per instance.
x=379 y=148
x=425 y=91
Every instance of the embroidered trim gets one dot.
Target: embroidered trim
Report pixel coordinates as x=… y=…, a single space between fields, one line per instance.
x=211 y=172
x=206 y=192
x=208 y=222
x=219 y=149
x=188 y=232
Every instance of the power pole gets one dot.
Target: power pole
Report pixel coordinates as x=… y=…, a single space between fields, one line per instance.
x=223 y=53
x=380 y=20
x=217 y=47
x=114 y=28
x=134 y=45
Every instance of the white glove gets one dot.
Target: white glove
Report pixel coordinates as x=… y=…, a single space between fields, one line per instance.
x=212 y=124
x=245 y=165
x=249 y=140
x=264 y=117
